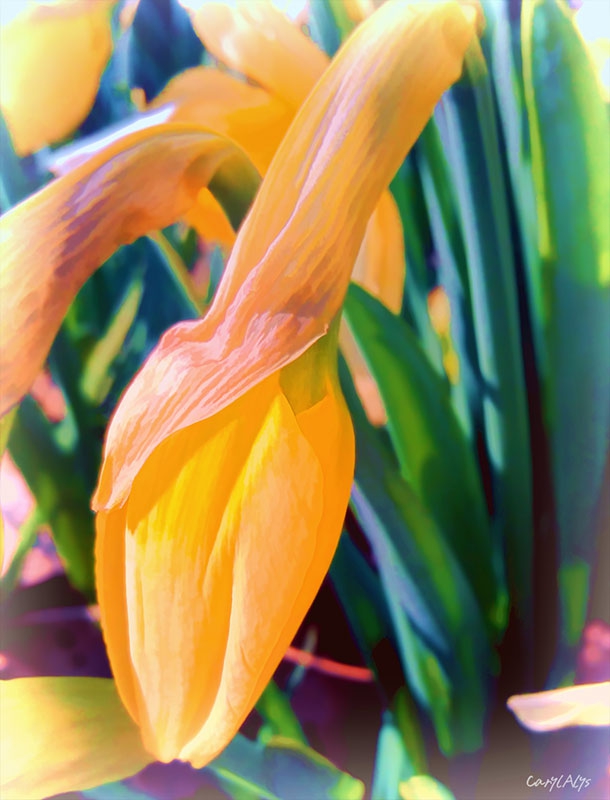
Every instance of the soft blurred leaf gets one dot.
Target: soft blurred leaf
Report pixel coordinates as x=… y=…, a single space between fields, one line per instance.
x=469 y=131
x=364 y=603
x=323 y=27
x=431 y=448
x=6 y=423
x=408 y=193
x=392 y=763
x=275 y=709
x=154 y=56
x=423 y=787
x=436 y=619
x=448 y=242
x=282 y=770
x=569 y=127
x=18 y=176
x=96 y=378
x=114 y=791
x=61 y=497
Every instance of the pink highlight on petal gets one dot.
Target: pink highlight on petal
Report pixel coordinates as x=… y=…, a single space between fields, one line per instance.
x=16 y=505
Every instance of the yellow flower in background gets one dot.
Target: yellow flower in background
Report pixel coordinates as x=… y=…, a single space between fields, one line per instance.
x=586 y=704
x=52 y=56
x=228 y=462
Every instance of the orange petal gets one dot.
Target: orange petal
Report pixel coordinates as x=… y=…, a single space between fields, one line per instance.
x=380 y=267
x=51 y=61
x=364 y=383
x=196 y=556
x=587 y=704
x=63 y=735
x=291 y=263
x=210 y=221
x=259 y=41
x=277 y=576
x=248 y=115
x=52 y=242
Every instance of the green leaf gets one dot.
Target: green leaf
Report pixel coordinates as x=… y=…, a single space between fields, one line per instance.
x=364 y=604
x=16 y=180
x=392 y=762
x=423 y=787
x=6 y=423
x=569 y=127
x=443 y=642
x=281 y=770
x=62 y=499
x=441 y=203
x=114 y=791
x=275 y=709
x=323 y=27
x=407 y=190
x=96 y=377
x=434 y=456
x=468 y=128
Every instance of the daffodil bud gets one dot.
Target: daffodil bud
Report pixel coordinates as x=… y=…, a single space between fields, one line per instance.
x=207 y=570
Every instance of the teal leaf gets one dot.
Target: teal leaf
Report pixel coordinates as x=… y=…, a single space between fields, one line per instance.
x=430 y=445
x=569 y=127
x=281 y=770
x=469 y=131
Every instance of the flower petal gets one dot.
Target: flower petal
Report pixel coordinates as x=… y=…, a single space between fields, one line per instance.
x=380 y=267
x=291 y=263
x=199 y=560
x=250 y=116
x=52 y=242
x=64 y=734
x=51 y=61
x=259 y=41
x=587 y=704
x=303 y=472
x=208 y=218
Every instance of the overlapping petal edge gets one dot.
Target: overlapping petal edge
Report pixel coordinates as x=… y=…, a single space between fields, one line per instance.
x=289 y=270
x=53 y=241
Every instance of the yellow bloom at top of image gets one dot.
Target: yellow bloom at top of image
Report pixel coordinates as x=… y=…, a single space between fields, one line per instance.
x=52 y=56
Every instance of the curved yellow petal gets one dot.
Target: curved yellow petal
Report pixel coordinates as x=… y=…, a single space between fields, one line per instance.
x=198 y=556
x=208 y=218
x=52 y=242
x=250 y=116
x=259 y=41
x=364 y=383
x=290 y=266
x=587 y=704
x=380 y=267
x=52 y=56
x=64 y=734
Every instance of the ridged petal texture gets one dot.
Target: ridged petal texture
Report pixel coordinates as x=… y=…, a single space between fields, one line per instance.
x=229 y=460
x=291 y=264
x=52 y=56
x=64 y=734
x=53 y=241
x=259 y=41
x=207 y=571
